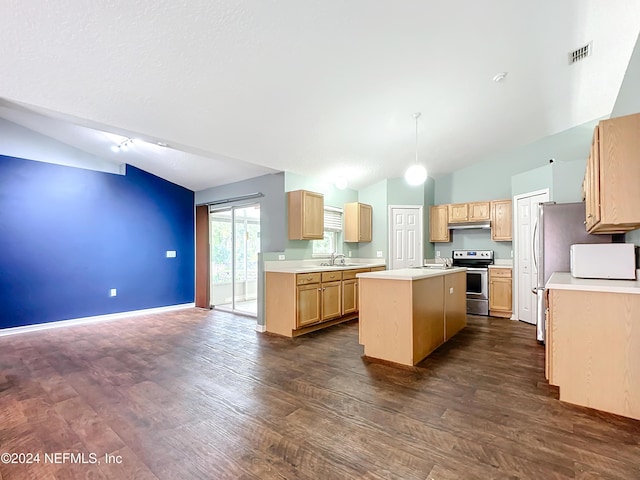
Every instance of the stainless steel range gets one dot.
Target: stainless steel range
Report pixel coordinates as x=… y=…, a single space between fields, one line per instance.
x=477 y=263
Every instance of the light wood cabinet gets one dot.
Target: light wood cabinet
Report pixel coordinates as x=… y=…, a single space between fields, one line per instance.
x=611 y=187
x=593 y=349
x=500 y=292
x=479 y=211
x=439 y=224
x=501 y=221
x=469 y=212
x=404 y=321
x=300 y=303
x=308 y=301
x=458 y=212
x=331 y=300
x=349 y=296
x=306 y=215
x=455 y=304
x=357 y=222
x=350 y=285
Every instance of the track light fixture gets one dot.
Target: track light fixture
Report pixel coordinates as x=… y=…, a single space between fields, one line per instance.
x=123 y=145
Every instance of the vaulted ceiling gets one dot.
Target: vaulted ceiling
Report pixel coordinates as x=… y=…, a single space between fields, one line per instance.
x=326 y=88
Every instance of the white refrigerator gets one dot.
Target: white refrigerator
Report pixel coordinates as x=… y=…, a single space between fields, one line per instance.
x=559 y=226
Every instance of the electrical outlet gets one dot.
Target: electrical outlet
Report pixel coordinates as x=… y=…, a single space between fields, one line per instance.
x=281 y=257
x=511 y=253
x=379 y=254
x=451 y=291
x=437 y=253
x=171 y=254
x=113 y=292
x=349 y=253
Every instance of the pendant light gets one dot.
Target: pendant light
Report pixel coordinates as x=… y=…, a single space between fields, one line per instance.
x=416 y=174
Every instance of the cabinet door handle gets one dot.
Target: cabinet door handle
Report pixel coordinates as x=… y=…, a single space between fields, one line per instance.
x=319 y=289
x=309 y=279
x=324 y=289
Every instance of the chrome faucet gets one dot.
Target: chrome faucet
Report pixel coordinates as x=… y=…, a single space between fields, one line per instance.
x=335 y=256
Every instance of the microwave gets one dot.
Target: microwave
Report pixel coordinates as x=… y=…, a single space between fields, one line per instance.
x=604 y=260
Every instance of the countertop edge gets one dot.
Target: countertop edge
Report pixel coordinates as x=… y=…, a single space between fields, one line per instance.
x=564 y=281
x=410 y=273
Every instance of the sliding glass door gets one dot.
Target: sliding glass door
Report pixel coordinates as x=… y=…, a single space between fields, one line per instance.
x=235 y=244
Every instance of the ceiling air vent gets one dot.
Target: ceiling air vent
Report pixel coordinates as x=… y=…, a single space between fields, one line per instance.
x=579 y=54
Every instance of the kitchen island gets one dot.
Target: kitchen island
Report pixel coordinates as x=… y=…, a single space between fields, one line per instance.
x=406 y=314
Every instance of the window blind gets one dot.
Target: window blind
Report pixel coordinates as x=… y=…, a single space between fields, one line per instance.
x=332 y=219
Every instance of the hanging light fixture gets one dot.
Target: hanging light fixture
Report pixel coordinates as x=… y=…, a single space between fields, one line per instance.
x=416 y=174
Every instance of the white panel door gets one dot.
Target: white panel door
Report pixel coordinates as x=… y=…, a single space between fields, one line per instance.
x=406 y=237
x=527 y=217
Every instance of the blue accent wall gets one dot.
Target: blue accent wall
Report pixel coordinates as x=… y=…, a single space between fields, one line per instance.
x=69 y=235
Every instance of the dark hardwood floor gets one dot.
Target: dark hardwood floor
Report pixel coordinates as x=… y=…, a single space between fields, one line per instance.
x=196 y=394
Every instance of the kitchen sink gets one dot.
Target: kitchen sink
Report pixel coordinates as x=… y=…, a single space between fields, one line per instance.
x=434 y=267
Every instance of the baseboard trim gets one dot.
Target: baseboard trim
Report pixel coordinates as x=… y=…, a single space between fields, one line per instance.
x=89 y=320
x=261 y=328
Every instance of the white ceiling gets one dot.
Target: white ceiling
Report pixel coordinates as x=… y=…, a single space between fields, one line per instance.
x=316 y=87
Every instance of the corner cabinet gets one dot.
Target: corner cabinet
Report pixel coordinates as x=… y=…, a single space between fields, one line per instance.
x=358 y=219
x=439 y=224
x=501 y=221
x=306 y=215
x=610 y=185
x=500 y=292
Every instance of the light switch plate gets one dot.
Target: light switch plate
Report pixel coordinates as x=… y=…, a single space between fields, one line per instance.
x=450 y=290
x=280 y=257
x=171 y=254
x=113 y=292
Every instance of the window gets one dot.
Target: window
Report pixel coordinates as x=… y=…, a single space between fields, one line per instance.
x=332 y=233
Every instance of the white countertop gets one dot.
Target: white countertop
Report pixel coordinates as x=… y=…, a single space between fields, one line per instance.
x=309 y=266
x=411 y=273
x=564 y=281
x=502 y=264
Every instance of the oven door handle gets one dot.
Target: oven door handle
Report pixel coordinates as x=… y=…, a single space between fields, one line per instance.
x=477 y=269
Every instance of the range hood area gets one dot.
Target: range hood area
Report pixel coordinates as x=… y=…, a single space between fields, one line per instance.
x=470 y=225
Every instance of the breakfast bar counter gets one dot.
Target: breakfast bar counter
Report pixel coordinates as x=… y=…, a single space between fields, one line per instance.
x=406 y=314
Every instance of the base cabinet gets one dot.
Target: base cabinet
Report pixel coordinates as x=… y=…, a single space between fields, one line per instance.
x=308 y=299
x=300 y=303
x=593 y=349
x=500 y=292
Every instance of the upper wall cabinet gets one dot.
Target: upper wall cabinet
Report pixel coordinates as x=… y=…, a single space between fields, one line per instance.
x=438 y=224
x=612 y=194
x=469 y=212
x=357 y=222
x=479 y=211
x=501 y=220
x=458 y=212
x=306 y=215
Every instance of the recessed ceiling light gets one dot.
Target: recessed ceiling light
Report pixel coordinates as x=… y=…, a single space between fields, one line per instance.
x=500 y=77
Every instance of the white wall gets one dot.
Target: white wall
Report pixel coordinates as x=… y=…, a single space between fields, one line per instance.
x=20 y=142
